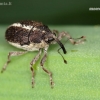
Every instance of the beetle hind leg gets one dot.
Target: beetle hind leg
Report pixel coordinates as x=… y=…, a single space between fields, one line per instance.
x=13 y=53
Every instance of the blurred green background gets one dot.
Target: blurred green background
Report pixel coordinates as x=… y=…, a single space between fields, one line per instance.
x=77 y=80
x=51 y=11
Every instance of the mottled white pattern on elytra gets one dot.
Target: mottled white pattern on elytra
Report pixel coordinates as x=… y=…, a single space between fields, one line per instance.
x=29 y=27
x=31 y=46
x=17 y=24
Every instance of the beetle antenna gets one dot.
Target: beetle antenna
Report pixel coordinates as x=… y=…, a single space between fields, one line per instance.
x=62 y=56
x=63 y=48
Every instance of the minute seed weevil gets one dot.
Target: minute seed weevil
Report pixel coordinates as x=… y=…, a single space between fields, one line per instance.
x=35 y=36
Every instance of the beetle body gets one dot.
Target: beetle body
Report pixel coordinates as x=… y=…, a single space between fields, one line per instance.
x=35 y=36
x=29 y=35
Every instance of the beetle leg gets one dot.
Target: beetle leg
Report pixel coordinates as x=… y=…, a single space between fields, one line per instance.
x=72 y=40
x=13 y=53
x=48 y=72
x=31 y=66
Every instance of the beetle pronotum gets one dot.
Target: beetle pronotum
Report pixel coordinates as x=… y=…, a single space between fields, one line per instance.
x=35 y=36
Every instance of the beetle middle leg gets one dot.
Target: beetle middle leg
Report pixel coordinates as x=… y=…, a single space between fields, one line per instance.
x=48 y=72
x=32 y=64
x=72 y=40
x=13 y=53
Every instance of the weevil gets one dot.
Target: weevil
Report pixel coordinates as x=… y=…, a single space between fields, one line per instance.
x=35 y=36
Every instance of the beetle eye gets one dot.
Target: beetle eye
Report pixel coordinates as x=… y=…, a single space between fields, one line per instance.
x=50 y=39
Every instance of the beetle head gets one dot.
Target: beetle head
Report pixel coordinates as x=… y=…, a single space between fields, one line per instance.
x=52 y=37
x=49 y=37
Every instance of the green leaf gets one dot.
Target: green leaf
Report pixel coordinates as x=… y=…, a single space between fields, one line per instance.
x=77 y=80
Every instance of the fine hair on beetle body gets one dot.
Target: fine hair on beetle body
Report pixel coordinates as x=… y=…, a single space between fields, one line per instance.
x=35 y=36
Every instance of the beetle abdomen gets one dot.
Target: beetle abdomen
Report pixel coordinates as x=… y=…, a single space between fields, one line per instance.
x=17 y=34
x=25 y=32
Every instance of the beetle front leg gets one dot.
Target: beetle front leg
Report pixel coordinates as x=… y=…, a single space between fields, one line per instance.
x=48 y=72
x=32 y=64
x=72 y=40
x=13 y=53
